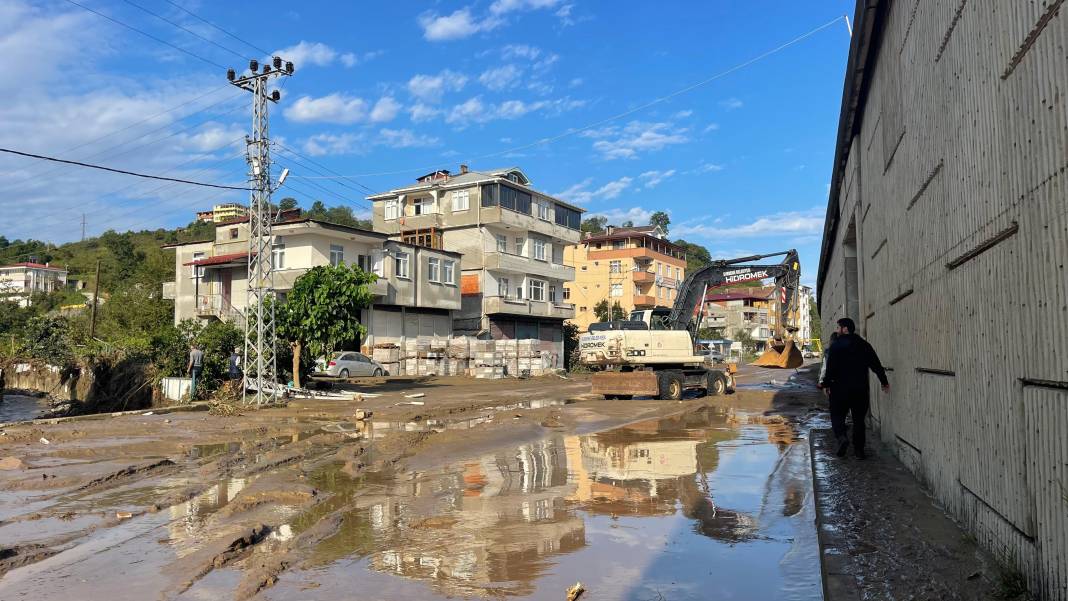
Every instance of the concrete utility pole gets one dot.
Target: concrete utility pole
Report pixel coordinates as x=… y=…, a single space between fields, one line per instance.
x=83 y=227
x=96 y=301
x=260 y=351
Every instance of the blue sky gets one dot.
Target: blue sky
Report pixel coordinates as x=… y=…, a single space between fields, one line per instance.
x=386 y=91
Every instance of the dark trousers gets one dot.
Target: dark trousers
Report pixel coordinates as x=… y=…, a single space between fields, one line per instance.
x=844 y=401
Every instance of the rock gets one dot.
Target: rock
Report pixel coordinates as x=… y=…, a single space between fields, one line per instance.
x=12 y=463
x=45 y=440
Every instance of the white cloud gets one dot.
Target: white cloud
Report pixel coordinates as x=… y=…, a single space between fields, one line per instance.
x=460 y=24
x=798 y=224
x=581 y=193
x=512 y=51
x=564 y=13
x=500 y=78
x=334 y=108
x=212 y=136
x=653 y=178
x=711 y=127
x=404 y=138
x=385 y=110
x=617 y=216
x=709 y=168
x=430 y=88
x=731 y=103
x=575 y=82
x=476 y=111
x=471 y=110
x=682 y=114
x=500 y=7
x=420 y=112
x=633 y=138
x=305 y=53
x=324 y=144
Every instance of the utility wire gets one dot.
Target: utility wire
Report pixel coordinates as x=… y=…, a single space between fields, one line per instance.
x=189 y=31
x=206 y=22
x=120 y=171
x=149 y=35
x=641 y=107
x=327 y=169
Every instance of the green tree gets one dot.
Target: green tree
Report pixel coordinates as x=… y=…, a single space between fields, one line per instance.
x=627 y=223
x=322 y=311
x=287 y=203
x=697 y=256
x=47 y=339
x=594 y=225
x=710 y=333
x=814 y=319
x=747 y=341
x=571 y=338
x=609 y=312
x=661 y=220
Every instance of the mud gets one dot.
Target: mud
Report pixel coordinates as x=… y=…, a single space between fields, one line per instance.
x=488 y=489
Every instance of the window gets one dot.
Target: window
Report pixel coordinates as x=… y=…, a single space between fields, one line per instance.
x=278 y=254
x=543 y=210
x=490 y=195
x=337 y=254
x=539 y=249
x=361 y=262
x=460 y=200
x=616 y=290
x=198 y=270
x=448 y=272
x=502 y=243
x=502 y=287
x=569 y=218
x=615 y=267
x=558 y=254
x=233 y=233
x=376 y=263
x=678 y=274
x=618 y=244
x=552 y=294
x=537 y=290
x=422 y=206
x=519 y=246
x=401 y=266
x=519 y=292
x=391 y=209
x=567 y=293
x=433 y=265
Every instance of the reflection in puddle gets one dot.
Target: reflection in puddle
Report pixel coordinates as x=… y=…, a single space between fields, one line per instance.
x=18 y=407
x=702 y=505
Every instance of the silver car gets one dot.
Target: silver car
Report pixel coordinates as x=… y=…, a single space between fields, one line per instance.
x=349 y=364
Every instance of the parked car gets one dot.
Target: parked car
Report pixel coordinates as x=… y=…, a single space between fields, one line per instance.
x=808 y=353
x=711 y=355
x=348 y=364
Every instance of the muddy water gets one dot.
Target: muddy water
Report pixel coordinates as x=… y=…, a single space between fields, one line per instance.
x=17 y=407
x=704 y=506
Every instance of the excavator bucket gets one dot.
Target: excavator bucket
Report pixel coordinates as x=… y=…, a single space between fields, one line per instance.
x=782 y=354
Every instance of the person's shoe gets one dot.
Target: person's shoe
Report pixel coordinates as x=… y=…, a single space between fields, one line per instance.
x=843 y=446
x=860 y=454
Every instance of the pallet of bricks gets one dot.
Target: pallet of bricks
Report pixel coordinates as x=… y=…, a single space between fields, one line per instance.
x=530 y=360
x=458 y=356
x=389 y=355
x=486 y=360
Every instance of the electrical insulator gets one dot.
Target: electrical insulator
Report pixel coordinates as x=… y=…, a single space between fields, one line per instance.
x=230 y=74
x=277 y=62
x=254 y=65
x=275 y=96
x=289 y=68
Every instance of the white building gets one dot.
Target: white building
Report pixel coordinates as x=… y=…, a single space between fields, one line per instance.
x=20 y=281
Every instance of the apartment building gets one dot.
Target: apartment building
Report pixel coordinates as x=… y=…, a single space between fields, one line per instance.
x=752 y=310
x=511 y=238
x=417 y=291
x=634 y=266
x=20 y=281
x=223 y=213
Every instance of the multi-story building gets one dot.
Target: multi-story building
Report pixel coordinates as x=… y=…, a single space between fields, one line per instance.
x=417 y=291
x=230 y=211
x=804 y=315
x=634 y=266
x=512 y=240
x=752 y=310
x=20 y=281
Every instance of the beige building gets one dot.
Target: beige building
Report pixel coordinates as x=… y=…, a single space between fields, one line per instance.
x=634 y=266
x=512 y=241
x=417 y=291
x=20 y=281
x=754 y=310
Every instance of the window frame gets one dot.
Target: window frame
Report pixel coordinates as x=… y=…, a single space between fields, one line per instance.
x=402 y=258
x=615 y=266
x=433 y=269
x=541 y=286
x=339 y=250
x=457 y=196
x=278 y=254
x=539 y=244
x=448 y=272
x=391 y=206
x=612 y=288
x=503 y=285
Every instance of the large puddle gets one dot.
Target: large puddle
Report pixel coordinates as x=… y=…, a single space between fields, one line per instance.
x=708 y=505
x=17 y=407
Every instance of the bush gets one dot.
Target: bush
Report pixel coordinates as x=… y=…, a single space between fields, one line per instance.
x=170 y=350
x=47 y=339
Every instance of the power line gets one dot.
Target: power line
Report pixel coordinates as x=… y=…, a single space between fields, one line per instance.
x=662 y=99
x=189 y=31
x=327 y=169
x=149 y=35
x=120 y=171
x=206 y=22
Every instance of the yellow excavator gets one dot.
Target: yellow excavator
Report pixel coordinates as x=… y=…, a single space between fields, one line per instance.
x=654 y=352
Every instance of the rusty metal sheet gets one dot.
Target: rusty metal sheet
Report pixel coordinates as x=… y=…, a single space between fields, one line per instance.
x=633 y=383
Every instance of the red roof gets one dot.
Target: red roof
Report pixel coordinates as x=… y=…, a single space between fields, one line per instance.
x=32 y=266
x=218 y=259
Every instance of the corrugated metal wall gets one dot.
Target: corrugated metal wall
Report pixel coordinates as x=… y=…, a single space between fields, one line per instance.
x=957 y=191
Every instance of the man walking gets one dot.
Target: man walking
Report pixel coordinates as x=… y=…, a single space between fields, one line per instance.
x=846 y=381
x=195 y=367
x=235 y=364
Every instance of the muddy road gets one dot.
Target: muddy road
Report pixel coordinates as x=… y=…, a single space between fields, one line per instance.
x=487 y=489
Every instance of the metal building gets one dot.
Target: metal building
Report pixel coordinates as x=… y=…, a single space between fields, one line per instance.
x=947 y=241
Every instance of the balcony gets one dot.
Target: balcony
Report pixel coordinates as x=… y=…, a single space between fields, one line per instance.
x=644 y=300
x=502 y=261
x=214 y=305
x=518 y=306
x=638 y=253
x=644 y=277
x=522 y=221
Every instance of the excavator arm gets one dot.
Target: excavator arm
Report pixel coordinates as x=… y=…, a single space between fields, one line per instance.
x=787 y=275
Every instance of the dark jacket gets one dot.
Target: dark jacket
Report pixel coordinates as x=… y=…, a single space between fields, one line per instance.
x=848 y=362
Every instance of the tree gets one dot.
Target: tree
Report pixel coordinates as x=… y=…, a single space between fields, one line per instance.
x=661 y=220
x=697 y=256
x=816 y=327
x=571 y=338
x=47 y=339
x=322 y=310
x=287 y=203
x=594 y=225
x=747 y=341
x=627 y=223
x=609 y=312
